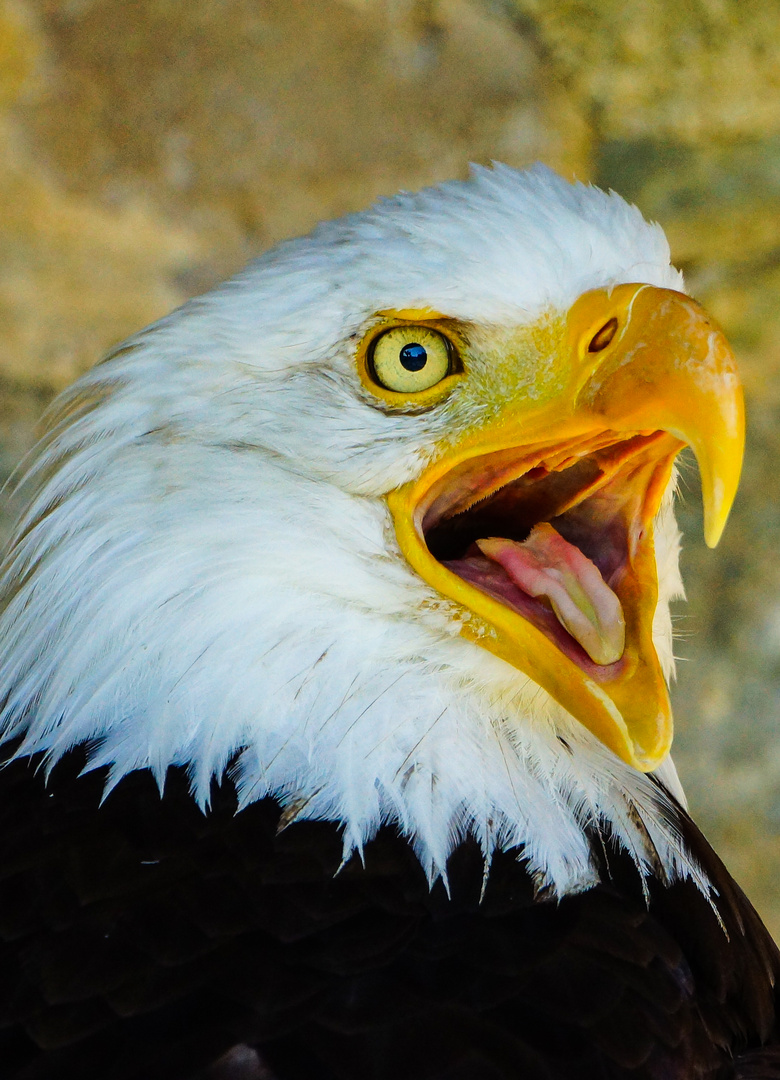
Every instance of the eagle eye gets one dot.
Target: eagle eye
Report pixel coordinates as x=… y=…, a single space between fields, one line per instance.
x=410 y=359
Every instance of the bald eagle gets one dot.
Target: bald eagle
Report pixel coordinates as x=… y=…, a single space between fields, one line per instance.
x=335 y=647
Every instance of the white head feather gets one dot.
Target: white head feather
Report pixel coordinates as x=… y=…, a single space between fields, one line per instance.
x=206 y=570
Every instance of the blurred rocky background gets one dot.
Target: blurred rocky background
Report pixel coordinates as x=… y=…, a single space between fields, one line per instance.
x=148 y=148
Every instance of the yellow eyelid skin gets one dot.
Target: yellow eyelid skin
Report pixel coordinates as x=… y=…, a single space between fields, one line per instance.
x=430 y=325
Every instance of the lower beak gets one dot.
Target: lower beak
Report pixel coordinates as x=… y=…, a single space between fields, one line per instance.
x=563 y=497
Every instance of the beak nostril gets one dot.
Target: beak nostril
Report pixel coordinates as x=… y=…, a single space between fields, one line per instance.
x=604 y=336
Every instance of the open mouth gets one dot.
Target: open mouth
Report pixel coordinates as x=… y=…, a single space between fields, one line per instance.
x=562 y=536
x=537 y=523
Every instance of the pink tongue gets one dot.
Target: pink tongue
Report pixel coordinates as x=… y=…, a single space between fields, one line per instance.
x=546 y=565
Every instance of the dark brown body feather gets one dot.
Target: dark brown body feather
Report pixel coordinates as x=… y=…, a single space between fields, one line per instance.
x=143 y=940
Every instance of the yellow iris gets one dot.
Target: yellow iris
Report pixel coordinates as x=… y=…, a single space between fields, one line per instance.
x=410 y=359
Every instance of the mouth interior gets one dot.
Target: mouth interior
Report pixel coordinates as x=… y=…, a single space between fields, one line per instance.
x=599 y=505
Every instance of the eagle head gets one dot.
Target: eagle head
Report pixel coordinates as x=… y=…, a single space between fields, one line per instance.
x=382 y=528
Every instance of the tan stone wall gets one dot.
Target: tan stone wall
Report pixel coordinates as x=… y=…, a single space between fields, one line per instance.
x=149 y=147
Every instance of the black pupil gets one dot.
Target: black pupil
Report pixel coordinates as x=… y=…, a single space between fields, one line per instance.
x=413 y=357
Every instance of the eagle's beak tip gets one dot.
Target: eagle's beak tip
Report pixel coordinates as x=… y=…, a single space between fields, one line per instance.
x=719 y=452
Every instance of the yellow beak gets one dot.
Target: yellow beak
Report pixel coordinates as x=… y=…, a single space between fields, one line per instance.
x=641 y=372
